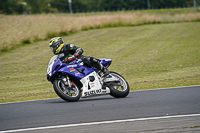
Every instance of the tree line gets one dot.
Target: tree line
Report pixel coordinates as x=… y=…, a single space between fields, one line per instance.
x=62 y=6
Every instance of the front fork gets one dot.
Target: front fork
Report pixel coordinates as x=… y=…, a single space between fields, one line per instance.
x=66 y=81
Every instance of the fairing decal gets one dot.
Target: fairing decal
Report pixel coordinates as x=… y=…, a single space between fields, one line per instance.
x=94 y=87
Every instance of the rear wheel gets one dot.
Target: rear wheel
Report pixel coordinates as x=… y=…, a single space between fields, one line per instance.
x=120 y=89
x=70 y=94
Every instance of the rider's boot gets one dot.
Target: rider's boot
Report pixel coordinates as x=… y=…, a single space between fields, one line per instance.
x=99 y=66
x=105 y=71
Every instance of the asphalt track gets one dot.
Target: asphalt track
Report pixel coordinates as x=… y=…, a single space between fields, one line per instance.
x=163 y=110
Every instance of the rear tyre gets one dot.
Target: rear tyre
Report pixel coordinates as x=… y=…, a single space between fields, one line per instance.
x=70 y=94
x=121 y=89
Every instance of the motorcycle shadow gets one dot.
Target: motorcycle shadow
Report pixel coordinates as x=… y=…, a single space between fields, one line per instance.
x=59 y=100
x=95 y=99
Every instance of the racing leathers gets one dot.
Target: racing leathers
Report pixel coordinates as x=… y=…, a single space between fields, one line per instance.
x=71 y=52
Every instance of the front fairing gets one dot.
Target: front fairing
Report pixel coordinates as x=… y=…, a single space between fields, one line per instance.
x=72 y=70
x=56 y=66
x=52 y=63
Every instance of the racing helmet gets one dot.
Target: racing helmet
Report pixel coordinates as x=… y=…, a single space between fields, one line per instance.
x=56 y=44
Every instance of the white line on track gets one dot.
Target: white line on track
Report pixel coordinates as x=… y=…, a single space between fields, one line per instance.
x=97 y=123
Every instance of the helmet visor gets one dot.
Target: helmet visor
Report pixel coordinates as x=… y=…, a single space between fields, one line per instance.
x=53 y=49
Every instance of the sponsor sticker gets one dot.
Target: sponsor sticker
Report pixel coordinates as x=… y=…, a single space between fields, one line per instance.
x=94 y=74
x=72 y=69
x=72 y=66
x=94 y=92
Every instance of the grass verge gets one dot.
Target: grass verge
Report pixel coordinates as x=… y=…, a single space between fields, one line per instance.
x=17 y=30
x=149 y=57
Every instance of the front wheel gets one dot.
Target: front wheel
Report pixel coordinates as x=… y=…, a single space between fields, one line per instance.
x=70 y=94
x=121 y=89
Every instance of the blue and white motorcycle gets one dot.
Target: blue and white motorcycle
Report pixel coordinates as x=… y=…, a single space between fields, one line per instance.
x=74 y=80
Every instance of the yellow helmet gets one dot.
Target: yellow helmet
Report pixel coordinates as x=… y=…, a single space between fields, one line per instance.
x=56 y=44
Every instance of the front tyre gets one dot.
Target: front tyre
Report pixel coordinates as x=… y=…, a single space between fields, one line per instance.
x=70 y=94
x=120 y=89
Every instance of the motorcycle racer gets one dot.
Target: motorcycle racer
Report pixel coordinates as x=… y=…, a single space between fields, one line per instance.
x=72 y=52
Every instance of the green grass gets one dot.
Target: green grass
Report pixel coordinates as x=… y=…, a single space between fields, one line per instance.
x=17 y=30
x=148 y=56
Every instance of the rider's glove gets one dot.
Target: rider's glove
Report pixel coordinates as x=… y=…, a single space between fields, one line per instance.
x=73 y=57
x=70 y=59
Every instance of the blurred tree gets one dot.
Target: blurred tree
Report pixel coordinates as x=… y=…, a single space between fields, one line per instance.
x=114 y=4
x=40 y=6
x=158 y=4
x=60 y=5
x=80 y=5
x=8 y=6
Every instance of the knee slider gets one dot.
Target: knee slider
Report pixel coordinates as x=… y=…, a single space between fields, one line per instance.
x=93 y=60
x=86 y=60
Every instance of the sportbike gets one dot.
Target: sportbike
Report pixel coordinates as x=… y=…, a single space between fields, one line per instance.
x=74 y=80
